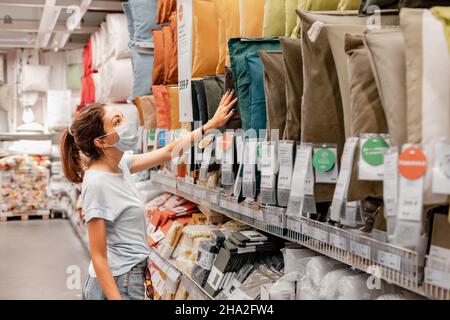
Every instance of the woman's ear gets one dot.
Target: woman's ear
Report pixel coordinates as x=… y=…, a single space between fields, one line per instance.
x=99 y=143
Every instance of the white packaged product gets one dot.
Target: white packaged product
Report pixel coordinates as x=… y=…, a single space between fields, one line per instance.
x=306 y=290
x=35 y=77
x=118 y=35
x=292 y=256
x=285 y=287
x=318 y=267
x=360 y=287
x=97 y=77
x=119 y=80
x=328 y=288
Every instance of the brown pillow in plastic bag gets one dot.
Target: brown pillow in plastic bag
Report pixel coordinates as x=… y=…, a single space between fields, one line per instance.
x=168 y=50
x=162 y=107
x=147 y=111
x=174 y=107
x=172 y=73
x=367 y=114
x=158 y=58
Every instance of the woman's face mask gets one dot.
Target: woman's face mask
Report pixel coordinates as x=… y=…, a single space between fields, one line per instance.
x=128 y=135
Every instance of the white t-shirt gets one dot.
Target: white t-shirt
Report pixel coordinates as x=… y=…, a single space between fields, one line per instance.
x=114 y=198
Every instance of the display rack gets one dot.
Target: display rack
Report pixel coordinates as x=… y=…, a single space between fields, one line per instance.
x=13 y=136
x=196 y=291
x=396 y=265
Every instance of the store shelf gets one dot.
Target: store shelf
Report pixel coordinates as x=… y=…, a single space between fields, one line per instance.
x=197 y=292
x=393 y=264
x=13 y=136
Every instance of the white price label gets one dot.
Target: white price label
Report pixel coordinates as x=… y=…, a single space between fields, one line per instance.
x=338 y=241
x=258 y=215
x=360 y=249
x=286 y=156
x=268 y=181
x=389 y=260
x=294 y=225
x=318 y=234
x=269 y=160
x=273 y=220
x=410 y=199
x=390 y=182
x=441 y=169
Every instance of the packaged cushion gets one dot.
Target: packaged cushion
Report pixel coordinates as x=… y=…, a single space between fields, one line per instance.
x=221 y=34
x=366 y=112
x=130 y=23
x=336 y=34
x=275 y=92
x=214 y=89
x=232 y=24
x=74 y=74
x=235 y=121
x=382 y=4
x=443 y=14
x=257 y=99
x=142 y=72
x=274 y=23
x=199 y=101
x=158 y=61
x=427 y=74
x=308 y=5
x=205 y=52
x=118 y=85
x=174 y=109
x=329 y=284
x=87 y=90
x=147 y=108
x=35 y=77
x=390 y=77
x=290 y=16
x=99 y=90
x=168 y=51
x=172 y=73
x=349 y=5
x=239 y=48
x=162 y=107
x=251 y=18
x=293 y=72
x=118 y=35
x=318 y=267
x=144 y=19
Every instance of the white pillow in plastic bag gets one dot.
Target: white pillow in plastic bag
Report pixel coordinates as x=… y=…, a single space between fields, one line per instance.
x=35 y=77
x=118 y=35
x=95 y=49
x=75 y=56
x=106 y=44
x=98 y=84
x=119 y=80
x=318 y=267
x=306 y=290
x=291 y=257
x=285 y=287
x=356 y=288
x=59 y=108
x=329 y=284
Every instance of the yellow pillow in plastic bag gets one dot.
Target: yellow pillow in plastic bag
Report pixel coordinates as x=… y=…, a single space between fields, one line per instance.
x=349 y=5
x=232 y=24
x=274 y=24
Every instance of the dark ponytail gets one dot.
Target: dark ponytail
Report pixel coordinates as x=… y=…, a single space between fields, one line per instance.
x=71 y=158
x=86 y=126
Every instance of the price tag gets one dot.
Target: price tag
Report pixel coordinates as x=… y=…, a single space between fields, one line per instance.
x=258 y=215
x=441 y=168
x=200 y=193
x=390 y=181
x=273 y=220
x=318 y=234
x=286 y=156
x=371 y=156
x=325 y=164
x=269 y=158
x=294 y=225
x=389 y=260
x=338 y=241
x=239 y=148
x=238 y=182
x=341 y=190
x=360 y=249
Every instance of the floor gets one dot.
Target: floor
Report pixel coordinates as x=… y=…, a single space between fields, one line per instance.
x=41 y=259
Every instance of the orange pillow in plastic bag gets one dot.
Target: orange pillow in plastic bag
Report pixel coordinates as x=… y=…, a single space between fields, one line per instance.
x=158 y=58
x=205 y=54
x=221 y=34
x=232 y=24
x=252 y=18
x=172 y=73
x=168 y=43
x=174 y=107
x=162 y=107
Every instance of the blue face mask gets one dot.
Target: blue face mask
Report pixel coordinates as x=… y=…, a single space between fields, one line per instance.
x=128 y=136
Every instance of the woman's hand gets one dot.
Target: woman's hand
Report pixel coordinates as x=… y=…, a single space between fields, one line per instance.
x=224 y=111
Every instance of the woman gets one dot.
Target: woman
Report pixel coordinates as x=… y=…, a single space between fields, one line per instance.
x=113 y=211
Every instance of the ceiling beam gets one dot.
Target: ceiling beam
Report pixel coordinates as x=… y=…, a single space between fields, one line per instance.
x=98 y=5
x=33 y=26
x=48 y=21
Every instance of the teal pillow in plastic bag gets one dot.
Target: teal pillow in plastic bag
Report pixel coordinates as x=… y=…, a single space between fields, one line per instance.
x=74 y=74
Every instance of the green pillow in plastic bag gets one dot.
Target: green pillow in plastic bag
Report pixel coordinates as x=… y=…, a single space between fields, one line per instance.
x=74 y=75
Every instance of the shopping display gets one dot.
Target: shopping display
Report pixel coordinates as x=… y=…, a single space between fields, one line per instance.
x=333 y=169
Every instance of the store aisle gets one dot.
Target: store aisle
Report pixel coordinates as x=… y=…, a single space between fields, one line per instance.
x=41 y=259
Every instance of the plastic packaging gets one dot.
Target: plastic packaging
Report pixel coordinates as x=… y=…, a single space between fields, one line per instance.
x=328 y=288
x=285 y=287
x=306 y=290
x=318 y=267
x=292 y=256
x=356 y=288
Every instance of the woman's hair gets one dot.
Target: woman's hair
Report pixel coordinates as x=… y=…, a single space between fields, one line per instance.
x=79 y=137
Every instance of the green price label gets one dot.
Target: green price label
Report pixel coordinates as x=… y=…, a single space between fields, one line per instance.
x=323 y=159
x=373 y=151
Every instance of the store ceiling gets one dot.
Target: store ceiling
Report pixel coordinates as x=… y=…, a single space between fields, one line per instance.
x=48 y=24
